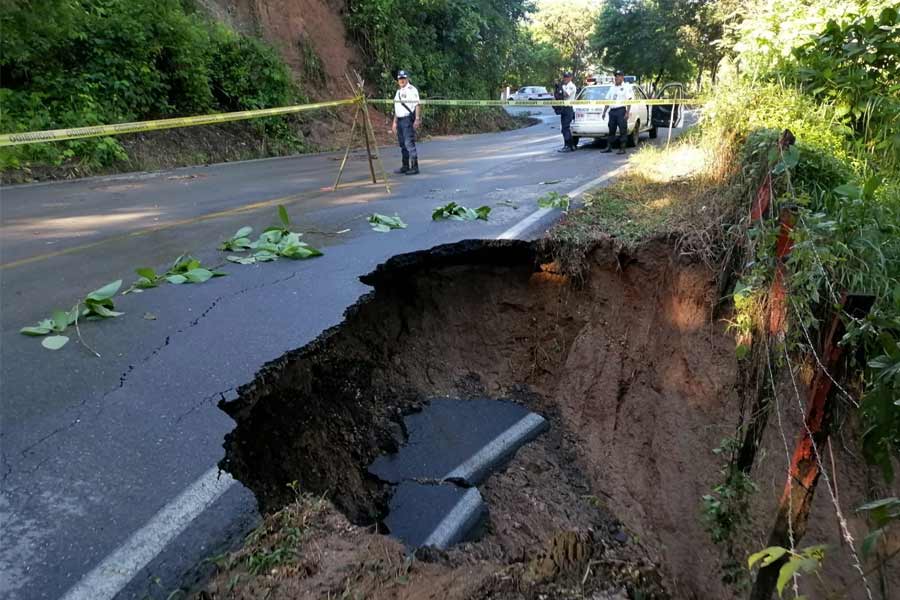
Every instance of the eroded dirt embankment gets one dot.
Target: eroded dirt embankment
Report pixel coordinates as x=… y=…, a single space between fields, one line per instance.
x=637 y=379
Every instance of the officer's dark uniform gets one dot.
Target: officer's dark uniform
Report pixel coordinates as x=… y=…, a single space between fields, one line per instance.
x=405 y=102
x=617 y=113
x=567 y=115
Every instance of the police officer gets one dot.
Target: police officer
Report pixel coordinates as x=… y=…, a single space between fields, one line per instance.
x=407 y=118
x=567 y=113
x=618 y=113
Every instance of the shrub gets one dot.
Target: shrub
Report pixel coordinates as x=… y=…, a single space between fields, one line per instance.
x=109 y=61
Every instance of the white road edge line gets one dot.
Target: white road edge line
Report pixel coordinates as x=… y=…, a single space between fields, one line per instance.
x=516 y=230
x=118 y=569
x=461 y=517
x=451 y=525
x=476 y=466
x=115 y=572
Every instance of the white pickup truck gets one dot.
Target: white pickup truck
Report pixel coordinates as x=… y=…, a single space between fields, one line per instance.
x=531 y=92
x=590 y=123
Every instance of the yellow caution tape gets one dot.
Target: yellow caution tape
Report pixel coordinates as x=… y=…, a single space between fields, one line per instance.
x=56 y=135
x=651 y=102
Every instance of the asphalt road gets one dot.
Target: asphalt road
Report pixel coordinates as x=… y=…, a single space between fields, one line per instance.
x=93 y=447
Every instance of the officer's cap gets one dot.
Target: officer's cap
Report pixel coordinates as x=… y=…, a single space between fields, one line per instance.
x=618 y=73
x=401 y=74
x=567 y=74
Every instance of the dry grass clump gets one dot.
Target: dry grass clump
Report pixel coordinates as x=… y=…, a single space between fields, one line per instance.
x=683 y=192
x=275 y=550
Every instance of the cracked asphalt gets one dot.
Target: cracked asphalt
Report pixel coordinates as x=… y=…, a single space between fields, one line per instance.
x=93 y=447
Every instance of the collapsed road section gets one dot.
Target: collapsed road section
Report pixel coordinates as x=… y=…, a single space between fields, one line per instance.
x=636 y=380
x=620 y=350
x=452 y=446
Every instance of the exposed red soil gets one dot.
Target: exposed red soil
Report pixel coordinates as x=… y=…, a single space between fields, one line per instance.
x=288 y=24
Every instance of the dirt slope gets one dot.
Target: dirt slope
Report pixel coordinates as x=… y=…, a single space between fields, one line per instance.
x=290 y=24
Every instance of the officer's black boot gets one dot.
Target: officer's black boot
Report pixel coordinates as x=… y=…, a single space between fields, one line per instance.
x=413 y=167
x=404 y=168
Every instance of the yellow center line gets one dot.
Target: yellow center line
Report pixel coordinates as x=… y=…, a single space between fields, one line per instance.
x=141 y=232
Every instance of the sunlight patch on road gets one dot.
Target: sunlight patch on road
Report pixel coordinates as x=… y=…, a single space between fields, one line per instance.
x=75 y=226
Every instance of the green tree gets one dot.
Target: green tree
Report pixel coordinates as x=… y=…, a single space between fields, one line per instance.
x=567 y=26
x=451 y=47
x=767 y=31
x=702 y=29
x=530 y=62
x=855 y=65
x=642 y=37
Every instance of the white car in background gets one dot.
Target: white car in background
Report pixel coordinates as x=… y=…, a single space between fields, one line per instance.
x=590 y=123
x=531 y=92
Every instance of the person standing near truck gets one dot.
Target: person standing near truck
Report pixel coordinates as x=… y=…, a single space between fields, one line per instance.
x=407 y=118
x=567 y=113
x=618 y=113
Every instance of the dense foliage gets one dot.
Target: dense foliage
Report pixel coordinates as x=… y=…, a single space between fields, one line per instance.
x=530 y=62
x=854 y=65
x=656 y=39
x=452 y=48
x=640 y=38
x=845 y=185
x=764 y=34
x=567 y=27
x=108 y=61
x=834 y=83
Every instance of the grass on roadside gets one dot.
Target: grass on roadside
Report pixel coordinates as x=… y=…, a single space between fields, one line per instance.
x=677 y=192
x=274 y=550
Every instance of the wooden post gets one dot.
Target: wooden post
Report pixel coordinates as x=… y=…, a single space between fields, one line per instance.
x=778 y=293
x=777 y=317
x=793 y=510
x=366 y=131
x=671 y=117
x=365 y=108
x=362 y=112
x=347 y=152
x=759 y=413
x=764 y=193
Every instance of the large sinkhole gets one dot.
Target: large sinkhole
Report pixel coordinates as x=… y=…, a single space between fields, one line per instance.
x=626 y=362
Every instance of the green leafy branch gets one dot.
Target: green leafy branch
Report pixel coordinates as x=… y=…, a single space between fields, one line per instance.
x=384 y=223
x=884 y=513
x=239 y=242
x=277 y=241
x=554 y=200
x=185 y=269
x=807 y=560
x=96 y=305
x=725 y=511
x=456 y=212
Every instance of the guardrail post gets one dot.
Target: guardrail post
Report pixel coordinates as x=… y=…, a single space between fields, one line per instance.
x=796 y=500
x=759 y=412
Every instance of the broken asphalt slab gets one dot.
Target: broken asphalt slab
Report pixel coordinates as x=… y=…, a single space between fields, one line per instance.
x=452 y=446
